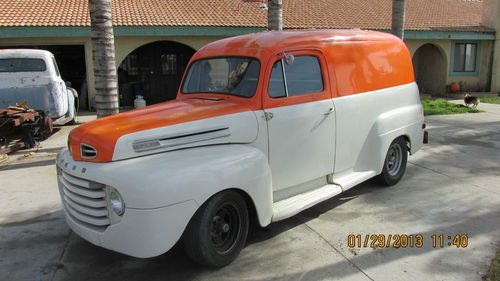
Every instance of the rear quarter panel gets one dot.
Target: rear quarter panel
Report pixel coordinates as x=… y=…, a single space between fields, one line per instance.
x=367 y=123
x=376 y=100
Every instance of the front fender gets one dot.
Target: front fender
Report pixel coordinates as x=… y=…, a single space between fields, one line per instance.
x=165 y=179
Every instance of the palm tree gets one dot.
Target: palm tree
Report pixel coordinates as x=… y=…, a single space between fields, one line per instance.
x=103 y=55
x=275 y=15
x=398 y=18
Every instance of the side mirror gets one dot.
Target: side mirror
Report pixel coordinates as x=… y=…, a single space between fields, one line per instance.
x=289 y=58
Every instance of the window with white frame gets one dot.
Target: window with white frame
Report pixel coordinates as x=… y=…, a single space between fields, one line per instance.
x=302 y=76
x=465 y=57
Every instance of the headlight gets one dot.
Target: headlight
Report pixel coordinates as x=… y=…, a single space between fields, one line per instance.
x=116 y=203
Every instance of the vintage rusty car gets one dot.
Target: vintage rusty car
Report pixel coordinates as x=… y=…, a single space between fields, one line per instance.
x=32 y=77
x=264 y=126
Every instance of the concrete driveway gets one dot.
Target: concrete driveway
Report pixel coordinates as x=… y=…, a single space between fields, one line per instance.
x=451 y=187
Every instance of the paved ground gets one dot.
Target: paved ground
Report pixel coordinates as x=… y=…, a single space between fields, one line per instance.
x=451 y=187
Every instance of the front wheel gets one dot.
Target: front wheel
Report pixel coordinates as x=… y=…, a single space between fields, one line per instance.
x=395 y=163
x=218 y=231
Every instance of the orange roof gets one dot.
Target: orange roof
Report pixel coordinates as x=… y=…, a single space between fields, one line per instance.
x=430 y=15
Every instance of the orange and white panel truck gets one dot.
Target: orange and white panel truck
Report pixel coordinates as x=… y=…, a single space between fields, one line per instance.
x=264 y=126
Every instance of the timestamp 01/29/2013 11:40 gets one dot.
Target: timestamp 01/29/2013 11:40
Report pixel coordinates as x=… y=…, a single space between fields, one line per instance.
x=398 y=241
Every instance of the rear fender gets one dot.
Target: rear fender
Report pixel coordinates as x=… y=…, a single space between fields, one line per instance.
x=401 y=122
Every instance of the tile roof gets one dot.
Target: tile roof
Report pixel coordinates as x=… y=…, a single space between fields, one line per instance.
x=424 y=15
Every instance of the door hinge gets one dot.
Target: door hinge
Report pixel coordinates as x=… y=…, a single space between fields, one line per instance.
x=268 y=115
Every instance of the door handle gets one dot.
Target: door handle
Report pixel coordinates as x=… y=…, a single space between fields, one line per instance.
x=330 y=111
x=268 y=115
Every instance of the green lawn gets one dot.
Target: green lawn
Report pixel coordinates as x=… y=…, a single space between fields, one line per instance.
x=440 y=107
x=495 y=100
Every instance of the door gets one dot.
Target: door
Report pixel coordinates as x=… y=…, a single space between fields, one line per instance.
x=301 y=119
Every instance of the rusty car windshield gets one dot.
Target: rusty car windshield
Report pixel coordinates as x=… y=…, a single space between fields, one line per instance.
x=22 y=65
x=223 y=75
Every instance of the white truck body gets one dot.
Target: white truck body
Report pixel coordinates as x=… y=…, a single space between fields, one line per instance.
x=32 y=76
x=281 y=154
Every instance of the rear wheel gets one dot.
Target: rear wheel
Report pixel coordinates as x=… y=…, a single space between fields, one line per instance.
x=395 y=163
x=218 y=231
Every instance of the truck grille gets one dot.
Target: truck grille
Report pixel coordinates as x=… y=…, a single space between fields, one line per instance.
x=85 y=201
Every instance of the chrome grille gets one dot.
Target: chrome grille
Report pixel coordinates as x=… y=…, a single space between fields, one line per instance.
x=84 y=200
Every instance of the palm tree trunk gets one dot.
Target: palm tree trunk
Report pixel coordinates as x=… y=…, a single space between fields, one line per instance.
x=398 y=18
x=103 y=55
x=275 y=15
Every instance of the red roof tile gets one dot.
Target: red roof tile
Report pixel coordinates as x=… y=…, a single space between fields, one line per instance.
x=441 y=15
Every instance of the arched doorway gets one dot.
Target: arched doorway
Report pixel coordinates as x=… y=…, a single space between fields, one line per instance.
x=429 y=64
x=154 y=71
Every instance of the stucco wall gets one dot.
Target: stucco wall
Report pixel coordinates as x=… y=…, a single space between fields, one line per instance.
x=490 y=14
x=479 y=82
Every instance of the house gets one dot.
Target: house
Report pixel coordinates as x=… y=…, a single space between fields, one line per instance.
x=449 y=40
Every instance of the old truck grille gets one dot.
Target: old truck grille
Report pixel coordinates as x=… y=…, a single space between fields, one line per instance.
x=85 y=201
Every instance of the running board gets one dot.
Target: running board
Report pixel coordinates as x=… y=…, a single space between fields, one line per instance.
x=352 y=179
x=291 y=206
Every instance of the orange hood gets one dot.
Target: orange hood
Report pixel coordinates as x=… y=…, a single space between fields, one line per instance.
x=103 y=134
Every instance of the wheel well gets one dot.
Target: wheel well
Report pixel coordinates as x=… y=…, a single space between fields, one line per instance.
x=408 y=143
x=252 y=211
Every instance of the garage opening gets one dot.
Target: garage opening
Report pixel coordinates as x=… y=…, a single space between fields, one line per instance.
x=71 y=62
x=153 y=71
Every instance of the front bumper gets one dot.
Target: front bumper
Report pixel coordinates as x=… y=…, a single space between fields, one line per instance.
x=140 y=232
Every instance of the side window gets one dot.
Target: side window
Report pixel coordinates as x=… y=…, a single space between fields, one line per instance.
x=276 y=87
x=302 y=76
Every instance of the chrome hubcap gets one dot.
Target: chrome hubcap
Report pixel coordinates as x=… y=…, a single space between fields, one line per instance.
x=394 y=159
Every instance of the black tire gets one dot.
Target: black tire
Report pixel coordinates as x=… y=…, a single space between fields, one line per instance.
x=218 y=231
x=395 y=163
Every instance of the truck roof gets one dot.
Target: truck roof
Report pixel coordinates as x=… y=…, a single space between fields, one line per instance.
x=24 y=53
x=360 y=60
x=258 y=44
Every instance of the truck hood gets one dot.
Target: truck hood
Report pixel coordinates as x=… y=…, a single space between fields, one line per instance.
x=167 y=126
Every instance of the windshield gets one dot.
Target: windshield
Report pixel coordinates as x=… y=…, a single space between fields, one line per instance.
x=22 y=65
x=231 y=75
